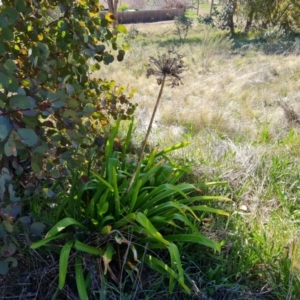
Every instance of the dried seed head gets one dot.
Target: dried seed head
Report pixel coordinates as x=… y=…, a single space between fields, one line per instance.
x=168 y=66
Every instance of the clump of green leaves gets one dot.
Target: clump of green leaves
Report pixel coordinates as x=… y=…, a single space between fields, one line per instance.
x=206 y=20
x=222 y=19
x=123 y=7
x=182 y=26
x=157 y=213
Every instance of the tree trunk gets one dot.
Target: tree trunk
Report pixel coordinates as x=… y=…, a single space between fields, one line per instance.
x=198 y=4
x=211 y=7
x=248 y=23
x=112 y=7
x=230 y=19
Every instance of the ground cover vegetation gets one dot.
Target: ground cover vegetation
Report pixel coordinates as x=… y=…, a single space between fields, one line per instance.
x=100 y=204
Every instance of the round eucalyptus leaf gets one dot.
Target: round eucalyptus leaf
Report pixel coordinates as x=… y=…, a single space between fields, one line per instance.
x=9 y=250
x=3 y=21
x=20 y=6
x=70 y=89
x=55 y=173
x=10 y=148
x=4 y=81
x=11 y=15
x=25 y=220
x=4 y=132
x=6 y=34
x=10 y=66
x=108 y=59
x=19 y=171
x=27 y=136
x=19 y=102
x=37 y=228
x=88 y=110
x=13 y=85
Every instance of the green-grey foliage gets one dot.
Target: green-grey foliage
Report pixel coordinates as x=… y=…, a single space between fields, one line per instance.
x=183 y=25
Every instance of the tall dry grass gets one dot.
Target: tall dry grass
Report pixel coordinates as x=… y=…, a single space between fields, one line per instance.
x=231 y=109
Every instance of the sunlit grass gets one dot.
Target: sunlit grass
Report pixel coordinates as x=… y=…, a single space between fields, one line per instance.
x=228 y=109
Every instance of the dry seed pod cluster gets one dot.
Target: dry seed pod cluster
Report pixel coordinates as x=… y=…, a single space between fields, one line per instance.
x=169 y=66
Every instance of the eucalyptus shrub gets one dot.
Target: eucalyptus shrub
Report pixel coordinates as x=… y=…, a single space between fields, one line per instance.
x=48 y=101
x=182 y=26
x=49 y=104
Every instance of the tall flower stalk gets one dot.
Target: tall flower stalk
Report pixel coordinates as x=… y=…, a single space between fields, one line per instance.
x=166 y=67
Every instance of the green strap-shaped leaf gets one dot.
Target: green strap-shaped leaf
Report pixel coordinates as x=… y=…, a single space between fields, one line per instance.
x=86 y=248
x=136 y=189
x=159 y=266
x=61 y=225
x=127 y=142
x=125 y=221
x=176 y=263
x=150 y=229
x=151 y=159
x=116 y=195
x=110 y=141
x=168 y=190
x=201 y=198
x=47 y=240
x=209 y=209
x=172 y=148
x=194 y=238
x=103 y=181
x=63 y=263
x=80 y=282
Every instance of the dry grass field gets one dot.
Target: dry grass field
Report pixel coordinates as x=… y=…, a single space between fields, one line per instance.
x=239 y=108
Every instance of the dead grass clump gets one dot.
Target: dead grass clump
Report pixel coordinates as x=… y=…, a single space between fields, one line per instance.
x=291 y=116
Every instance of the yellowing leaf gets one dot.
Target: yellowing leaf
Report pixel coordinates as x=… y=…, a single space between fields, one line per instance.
x=106 y=229
x=132 y=92
x=23 y=51
x=109 y=17
x=40 y=37
x=126 y=47
x=121 y=28
x=26 y=82
x=107 y=257
x=103 y=122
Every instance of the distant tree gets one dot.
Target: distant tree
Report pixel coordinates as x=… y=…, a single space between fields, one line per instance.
x=211 y=7
x=283 y=13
